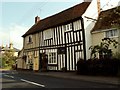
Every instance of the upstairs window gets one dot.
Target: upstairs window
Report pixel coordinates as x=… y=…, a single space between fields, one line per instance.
x=30 y=39
x=68 y=27
x=111 y=33
x=48 y=34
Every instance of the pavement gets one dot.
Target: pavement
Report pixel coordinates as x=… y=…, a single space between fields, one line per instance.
x=73 y=75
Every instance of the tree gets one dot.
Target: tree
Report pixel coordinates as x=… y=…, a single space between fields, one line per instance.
x=8 y=59
x=103 y=49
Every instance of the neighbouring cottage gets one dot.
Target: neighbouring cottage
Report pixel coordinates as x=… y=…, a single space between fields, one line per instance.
x=107 y=26
x=58 y=41
x=9 y=49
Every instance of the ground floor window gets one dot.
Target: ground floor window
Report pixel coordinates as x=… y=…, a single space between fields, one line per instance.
x=52 y=58
x=111 y=33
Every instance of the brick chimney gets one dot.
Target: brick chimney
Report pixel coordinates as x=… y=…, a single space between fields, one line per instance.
x=98 y=6
x=37 y=19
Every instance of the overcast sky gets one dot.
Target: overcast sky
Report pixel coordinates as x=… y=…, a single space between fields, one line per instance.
x=17 y=16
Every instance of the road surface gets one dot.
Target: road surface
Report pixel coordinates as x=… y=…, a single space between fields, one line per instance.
x=15 y=79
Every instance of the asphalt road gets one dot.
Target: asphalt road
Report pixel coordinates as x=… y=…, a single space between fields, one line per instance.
x=14 y=79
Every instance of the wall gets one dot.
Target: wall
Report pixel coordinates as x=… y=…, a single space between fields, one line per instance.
x=20 y=62
x=91 y=12
x=57 y=37
x=31 y=50
x=97 y=38
x=34 y=43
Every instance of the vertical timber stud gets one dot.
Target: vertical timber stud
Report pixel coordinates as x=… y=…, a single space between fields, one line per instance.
x=65 y=53
x=57 y=46
x=74 y=46
x=84 y=42
x=62 y=45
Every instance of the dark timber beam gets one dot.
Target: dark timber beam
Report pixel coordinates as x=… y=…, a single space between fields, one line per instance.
x=84 y=42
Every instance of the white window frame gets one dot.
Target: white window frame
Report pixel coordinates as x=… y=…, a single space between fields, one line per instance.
x=48 y=34
x=52 y=59
x=68 y=27
x=111 y=33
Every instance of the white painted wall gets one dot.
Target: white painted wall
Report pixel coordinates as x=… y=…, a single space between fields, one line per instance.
x=91 y=12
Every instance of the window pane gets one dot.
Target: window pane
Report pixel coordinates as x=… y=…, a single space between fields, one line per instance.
x=111 y=33
x=67 y=27
x=52 y=58
x=107 y=34
x=116 y=32
x=64 y=27
x=70 y=26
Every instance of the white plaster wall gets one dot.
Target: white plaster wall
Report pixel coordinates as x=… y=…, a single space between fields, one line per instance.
x=91 y=12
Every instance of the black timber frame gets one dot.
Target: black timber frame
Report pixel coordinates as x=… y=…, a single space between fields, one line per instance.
x=70 y=45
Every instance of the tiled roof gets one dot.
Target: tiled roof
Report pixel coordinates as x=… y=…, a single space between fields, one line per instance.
x=108 y=19
x=58 y=19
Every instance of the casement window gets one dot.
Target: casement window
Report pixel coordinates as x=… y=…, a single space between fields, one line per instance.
x=48 y=34
x=111 y=33
x=36 y=53
x=68 y=27
x=52 y=58
x=29 y=39
x=48 y=37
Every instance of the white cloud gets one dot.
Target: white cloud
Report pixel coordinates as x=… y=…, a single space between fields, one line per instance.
x=16 y=33
x=4 y=36
x=13 y=34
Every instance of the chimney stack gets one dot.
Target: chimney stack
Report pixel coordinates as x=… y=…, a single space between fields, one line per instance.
x=98 y=6
x=37 y=19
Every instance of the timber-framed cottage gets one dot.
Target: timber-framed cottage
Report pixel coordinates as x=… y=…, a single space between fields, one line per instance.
x=58 y=41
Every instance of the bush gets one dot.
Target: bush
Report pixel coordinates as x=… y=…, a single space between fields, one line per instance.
x=81 y=67
x=105 y=66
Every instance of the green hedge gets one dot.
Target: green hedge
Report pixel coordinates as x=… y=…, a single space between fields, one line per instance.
x=99 y=67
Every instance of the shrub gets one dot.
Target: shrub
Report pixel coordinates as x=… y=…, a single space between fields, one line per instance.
x=105 y=66
x=81 y=67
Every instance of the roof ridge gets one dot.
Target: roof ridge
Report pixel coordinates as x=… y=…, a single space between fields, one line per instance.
x=65 y=15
